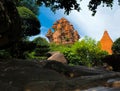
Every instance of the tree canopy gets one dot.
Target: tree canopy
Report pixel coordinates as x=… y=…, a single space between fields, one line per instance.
x=74 y=4
x=30 y=23
x=66 y=5
x=30 y=4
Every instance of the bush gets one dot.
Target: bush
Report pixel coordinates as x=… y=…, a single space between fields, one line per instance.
x=85 y=52
x=40 y=51
x=72 y=58
x=42 y=46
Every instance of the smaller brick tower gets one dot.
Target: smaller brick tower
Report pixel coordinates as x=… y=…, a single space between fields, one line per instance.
x=106 y=42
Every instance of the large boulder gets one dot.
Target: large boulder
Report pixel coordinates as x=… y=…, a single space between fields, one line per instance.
x=15 y=74
x=9 y=23
x=57 y=56
x=86 y=83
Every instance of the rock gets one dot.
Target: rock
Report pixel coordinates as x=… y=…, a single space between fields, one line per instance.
x=29 y=75
x=17 y=73
x=90 y=83
x=114 y=83
x=72 y=71
x=64 y=33
x=57 y=56
x=102 y=89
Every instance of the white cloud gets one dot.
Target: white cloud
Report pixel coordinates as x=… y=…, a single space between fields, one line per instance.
x=86 y=24
x=94 y=26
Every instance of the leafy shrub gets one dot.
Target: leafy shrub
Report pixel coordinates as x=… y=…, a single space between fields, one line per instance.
x=72 y=58
x=85 y=52
x=61 y=48
x=42 y=47
x=89 y=51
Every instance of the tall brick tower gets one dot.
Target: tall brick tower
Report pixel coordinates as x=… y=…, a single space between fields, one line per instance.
x=64 y=32
x=106 y=42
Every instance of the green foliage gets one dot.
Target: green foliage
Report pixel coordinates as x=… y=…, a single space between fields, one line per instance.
x=30 y=23
x=72 y=58
x=42 y=47
x=85 y=52
x=26 y=13
x=116 y=46
x=30 y=4
x=89 y=51
x=60 y=47
x=41 y=41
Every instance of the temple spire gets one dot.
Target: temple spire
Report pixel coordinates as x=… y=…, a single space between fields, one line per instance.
x=106 y=42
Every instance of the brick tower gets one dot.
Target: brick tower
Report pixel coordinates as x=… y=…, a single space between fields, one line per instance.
x=106 y=42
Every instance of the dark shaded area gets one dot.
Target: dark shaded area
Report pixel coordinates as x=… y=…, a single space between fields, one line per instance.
x=116 y=46
x=73 y=71
x=18 y=49
x=10 y=24
x=93 y=4
x=113 y=60
x=16 y=74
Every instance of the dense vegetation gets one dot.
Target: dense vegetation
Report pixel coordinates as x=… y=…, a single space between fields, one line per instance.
x=85 y=52
x=26 y=49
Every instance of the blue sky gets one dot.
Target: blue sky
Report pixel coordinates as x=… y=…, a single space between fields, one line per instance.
x=86 y=24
